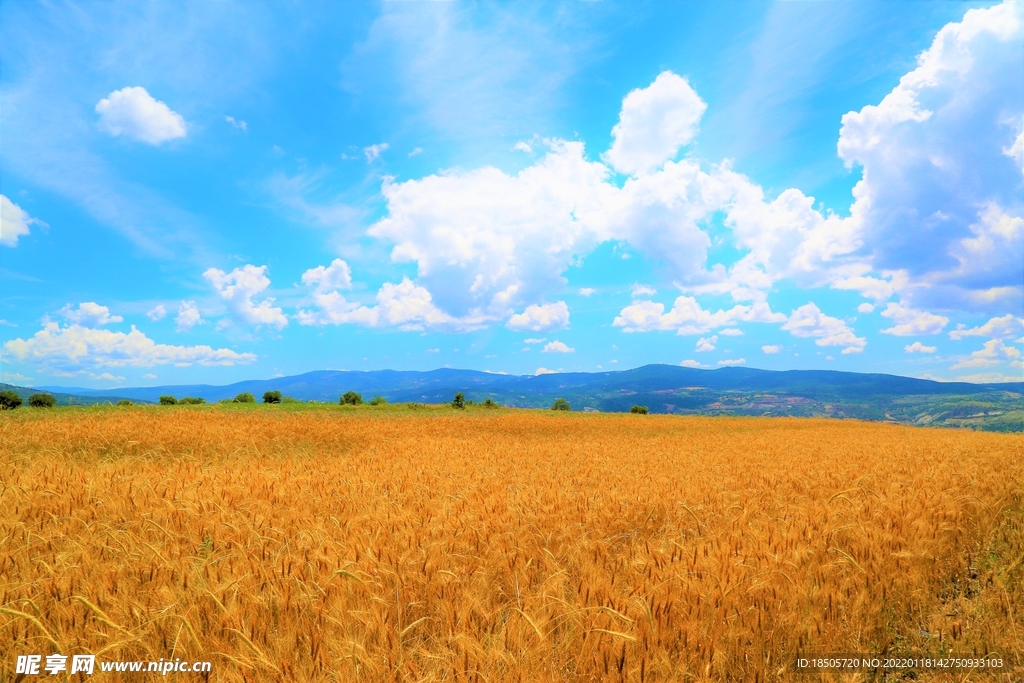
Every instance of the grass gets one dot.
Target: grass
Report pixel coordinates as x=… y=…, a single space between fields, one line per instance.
x=303 y=542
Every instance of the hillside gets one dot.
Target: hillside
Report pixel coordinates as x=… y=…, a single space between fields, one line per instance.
x=662 y=388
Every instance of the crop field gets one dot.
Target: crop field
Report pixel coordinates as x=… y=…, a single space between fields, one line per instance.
x=304 y=543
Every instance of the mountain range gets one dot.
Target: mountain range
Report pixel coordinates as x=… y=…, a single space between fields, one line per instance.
x=661 y=388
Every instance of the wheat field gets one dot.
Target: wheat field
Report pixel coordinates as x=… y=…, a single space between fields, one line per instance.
x=287 y=543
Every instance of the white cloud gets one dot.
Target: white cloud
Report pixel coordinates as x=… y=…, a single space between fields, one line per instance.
x=415 y=152
x=89 y=314
x=1002 y=327
x=74 y=346
x=14 y=378
x=14 y=222
x=918 y=347
x=373 y=152
x=237 y=123
x=706 y=344
x=771 y=348
x=545 y=371
x=1016 y=151
x=687 y=316
x=738 y=361
x=866 y=308
x=406 y=305
x=993 y=352
x=587 y=291
x=557 y=347
x=944 y=211
x=158 y=312
x=809 y=321
x=134 y=113
x=690 y=363
x=990 y=378
x=238 y=288
x=432 y=351
x=731 y=332
x=654 y=123
x=188 y=316
x=149 y=375
x=642 y=290
x=540 y=318
x=540 y=340
x=522 y=146
x=336 y=276
x=910 y=322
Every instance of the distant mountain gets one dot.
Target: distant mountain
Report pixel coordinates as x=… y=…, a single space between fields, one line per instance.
x=662 y=388
x=65 y=398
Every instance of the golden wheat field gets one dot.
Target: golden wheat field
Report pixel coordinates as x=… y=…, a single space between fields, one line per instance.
x=327 y=544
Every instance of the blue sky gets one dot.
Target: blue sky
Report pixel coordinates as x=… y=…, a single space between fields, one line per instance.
x=216 y=191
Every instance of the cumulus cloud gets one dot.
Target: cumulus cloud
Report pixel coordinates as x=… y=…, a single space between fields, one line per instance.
x=808 y=321
x=336 y=276
x=738 y=361
x=557 y=347
x=238 y=288
x=158 y=312
x=522 y=146
x=993 y=352
x=865 y=308
x=731 y=332
x=708 y=344
x=545 y=371
x=405 y=305
x=14 y=222
x=89 y=314
x=134 y=113
x=687 y=316
x=587 y=291
x=1002 y=327
x=654 y=123
x=540 y=318
x=188 y=316
x=918 y=347
x=928 y=203
x=910 y=322
x=771 y=348
x=690 y=363
x=642 y=290
x=75 y=346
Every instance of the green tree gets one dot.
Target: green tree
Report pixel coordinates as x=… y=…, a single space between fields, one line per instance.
x=9 y=400
x=271 y=396
x=245 y=397
x=125 y=402
x=377 y=401
x=42 y=401
x=168 y=400
x=489 y=403
x=560 y=404
x=639 y=410
x=192 y=401
x=351 y=398
x=459 y=401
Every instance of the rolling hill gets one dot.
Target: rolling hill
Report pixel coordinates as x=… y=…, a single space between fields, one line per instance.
x=662 y=388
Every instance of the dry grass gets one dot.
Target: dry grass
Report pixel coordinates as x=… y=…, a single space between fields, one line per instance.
x=377 y=545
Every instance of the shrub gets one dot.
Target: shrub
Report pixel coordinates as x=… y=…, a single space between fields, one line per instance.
x=125 y=402
x=459 y=401
x=489 y=403
x=192 y=401
x=168 y=401
x=42 y=401
x=9 y=400
x=289 y=399
x=271 y=396
x=351 y=398
x=245 y=397
x=377 y=401
x=639 y=410
x=560 y=404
